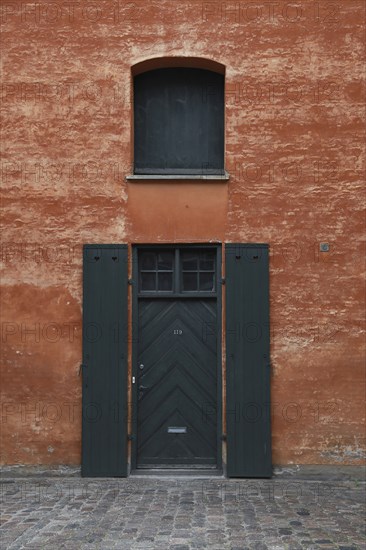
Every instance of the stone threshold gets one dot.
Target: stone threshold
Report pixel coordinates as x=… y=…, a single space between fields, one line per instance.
x=177 y=472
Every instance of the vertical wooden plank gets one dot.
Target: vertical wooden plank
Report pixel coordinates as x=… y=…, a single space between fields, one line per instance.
x=104 y=422
x=247 y=361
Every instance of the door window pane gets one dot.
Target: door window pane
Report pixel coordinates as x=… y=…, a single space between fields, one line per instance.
x=148 y=260
x=207 y=281
x=207 y=261
x=189 y=261
x=190 y=281
x=148 y=281
x=165 y=281
x=165 y=260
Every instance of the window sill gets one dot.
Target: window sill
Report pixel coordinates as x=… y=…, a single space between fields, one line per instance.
x=185 y=177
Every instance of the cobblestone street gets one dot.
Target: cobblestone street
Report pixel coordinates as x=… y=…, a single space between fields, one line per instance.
x=287 y=512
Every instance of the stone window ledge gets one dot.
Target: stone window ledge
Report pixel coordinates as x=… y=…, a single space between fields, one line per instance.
x=186 y=177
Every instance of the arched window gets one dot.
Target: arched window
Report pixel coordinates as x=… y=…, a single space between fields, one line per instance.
x=179 y=122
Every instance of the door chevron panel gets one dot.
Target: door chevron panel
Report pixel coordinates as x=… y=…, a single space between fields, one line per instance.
x=179 y=360
x=186 y=420
x=158 y=328
x=155 y=396
x=178 y=382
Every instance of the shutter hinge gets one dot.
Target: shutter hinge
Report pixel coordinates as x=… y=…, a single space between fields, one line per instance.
x=130 y=281
x=82 y=366
x=223 y=281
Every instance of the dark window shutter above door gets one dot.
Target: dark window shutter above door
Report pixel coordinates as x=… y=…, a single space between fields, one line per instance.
x=247 y=361
x=179 y=122
x=104 y=411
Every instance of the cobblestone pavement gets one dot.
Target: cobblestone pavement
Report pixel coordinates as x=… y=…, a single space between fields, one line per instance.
x=160 y=513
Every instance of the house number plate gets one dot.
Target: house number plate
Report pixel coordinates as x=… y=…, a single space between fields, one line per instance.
x=177 y=331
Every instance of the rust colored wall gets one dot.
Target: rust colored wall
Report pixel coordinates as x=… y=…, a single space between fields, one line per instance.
x=294 y=144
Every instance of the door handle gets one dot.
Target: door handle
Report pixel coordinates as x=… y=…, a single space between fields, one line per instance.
x=143 y=388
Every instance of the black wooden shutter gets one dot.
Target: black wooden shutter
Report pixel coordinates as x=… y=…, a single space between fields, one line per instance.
x=104 y=411
x=247 y=361
x=179 y=122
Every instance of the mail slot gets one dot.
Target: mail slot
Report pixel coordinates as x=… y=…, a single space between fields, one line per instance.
x=177 y=429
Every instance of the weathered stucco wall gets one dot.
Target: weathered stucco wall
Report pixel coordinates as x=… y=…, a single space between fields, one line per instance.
x=294 y=143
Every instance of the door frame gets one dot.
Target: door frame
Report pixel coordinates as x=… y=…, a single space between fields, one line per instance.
x=135 y=331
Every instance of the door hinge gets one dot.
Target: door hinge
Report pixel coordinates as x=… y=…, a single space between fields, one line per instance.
x=223 y=437
x=131 y=437
x=130 y=281
x=223 y=281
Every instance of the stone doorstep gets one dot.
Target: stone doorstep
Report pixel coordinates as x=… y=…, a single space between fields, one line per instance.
x=322 y=472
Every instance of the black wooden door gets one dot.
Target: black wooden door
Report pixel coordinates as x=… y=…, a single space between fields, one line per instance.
x=177 y=382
